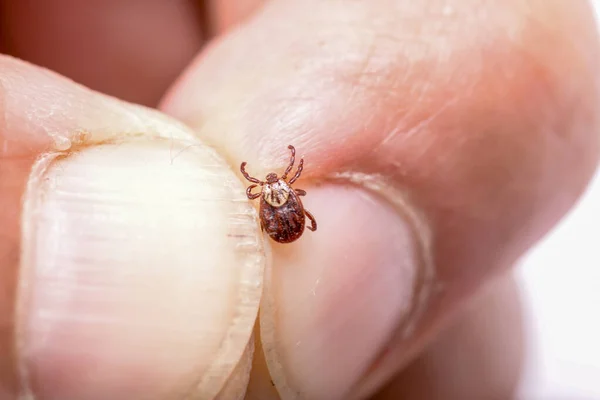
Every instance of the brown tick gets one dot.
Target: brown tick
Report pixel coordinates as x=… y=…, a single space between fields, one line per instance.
x=281 y=212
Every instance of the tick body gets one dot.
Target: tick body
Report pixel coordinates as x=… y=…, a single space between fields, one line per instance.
x=282 y=214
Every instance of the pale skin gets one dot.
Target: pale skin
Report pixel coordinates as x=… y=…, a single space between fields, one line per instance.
x=459 y=108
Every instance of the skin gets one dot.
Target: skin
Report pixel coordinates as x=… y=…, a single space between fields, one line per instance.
x=482 y=114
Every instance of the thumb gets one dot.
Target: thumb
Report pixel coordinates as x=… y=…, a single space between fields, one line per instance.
x=140 y=265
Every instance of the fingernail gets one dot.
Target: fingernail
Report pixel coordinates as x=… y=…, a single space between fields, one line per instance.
x=338 y=294
x=141 y=274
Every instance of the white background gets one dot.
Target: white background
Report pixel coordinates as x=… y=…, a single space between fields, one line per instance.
x=561 y=289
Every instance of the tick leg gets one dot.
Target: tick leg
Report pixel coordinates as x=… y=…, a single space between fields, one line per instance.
x=292 y=160
x=300 y=192
x=247 y=176
x=313 y=222
x=251 y=195
x=298 y=171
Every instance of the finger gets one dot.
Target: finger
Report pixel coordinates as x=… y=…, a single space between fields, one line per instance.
x=479 y=356
x=447 y=137
x=227 y=14
x=139 y=266
x=129 y=49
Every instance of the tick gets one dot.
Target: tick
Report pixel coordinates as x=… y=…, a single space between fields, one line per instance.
x=281 y=213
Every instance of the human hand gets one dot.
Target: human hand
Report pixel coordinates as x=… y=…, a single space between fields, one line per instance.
x=441 y=140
